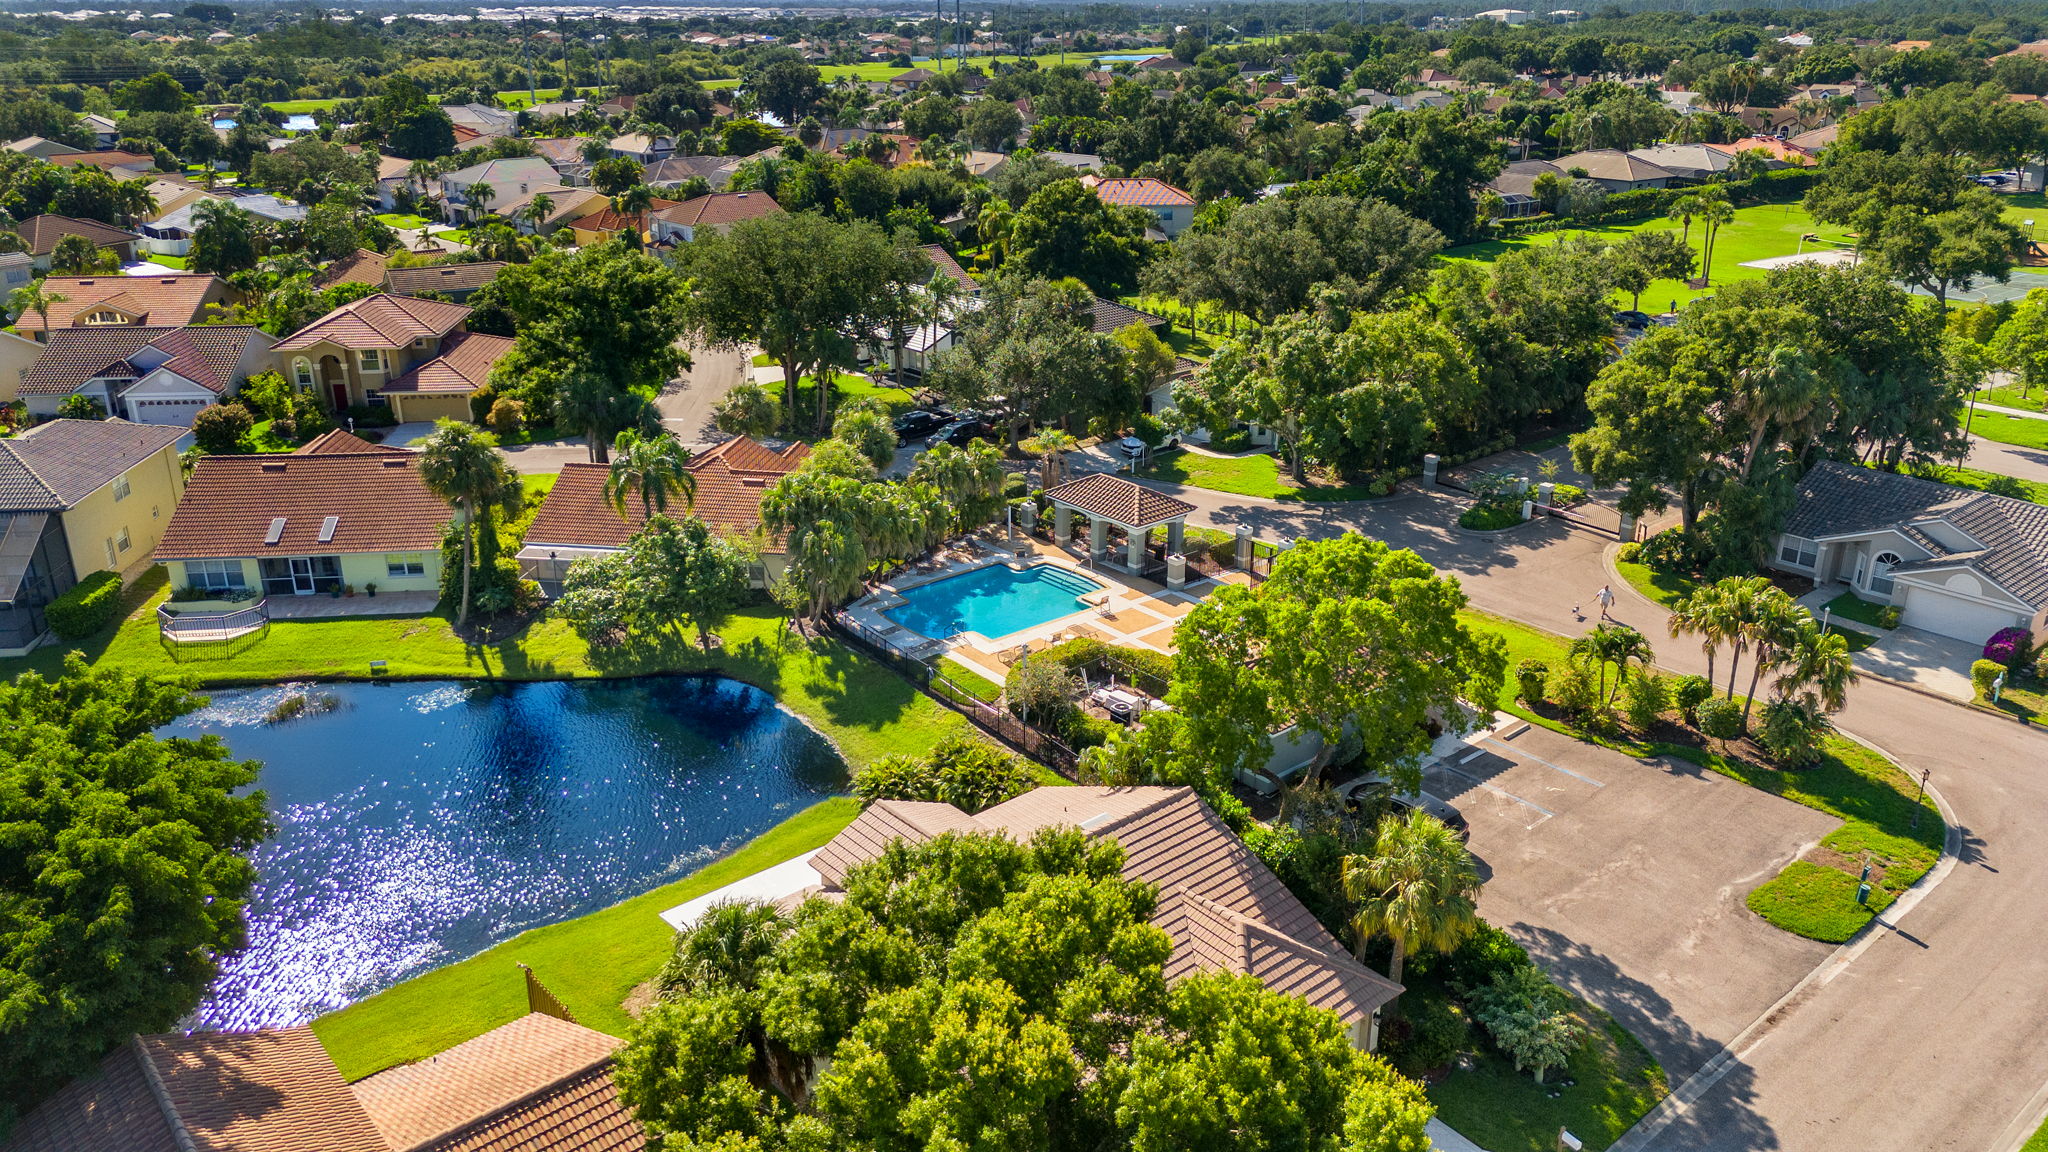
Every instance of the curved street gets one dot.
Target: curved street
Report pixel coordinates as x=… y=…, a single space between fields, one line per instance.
x=1931 y=1038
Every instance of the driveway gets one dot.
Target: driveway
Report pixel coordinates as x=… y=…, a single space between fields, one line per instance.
x=686 y=404
x=1626 y=881
x=1924 y=660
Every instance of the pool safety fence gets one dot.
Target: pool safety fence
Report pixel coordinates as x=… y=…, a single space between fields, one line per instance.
x=933 y=681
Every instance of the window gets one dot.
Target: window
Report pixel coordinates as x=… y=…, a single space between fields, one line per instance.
x=374 y=399
x=302 y=371
x=1881 y=573
x=113 y=558
x=105 y=316
x=398 y=564
x=373 y=360
x=1798 y=553
x=123 y=541
x=120 y=489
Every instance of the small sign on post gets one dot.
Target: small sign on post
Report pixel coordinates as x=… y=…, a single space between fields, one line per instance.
x=1566 y=1142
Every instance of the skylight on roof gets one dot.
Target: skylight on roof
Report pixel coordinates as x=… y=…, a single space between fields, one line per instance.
x=327 y=527
x=276 y=532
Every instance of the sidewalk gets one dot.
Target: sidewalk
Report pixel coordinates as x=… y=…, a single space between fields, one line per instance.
x=1445 y=1138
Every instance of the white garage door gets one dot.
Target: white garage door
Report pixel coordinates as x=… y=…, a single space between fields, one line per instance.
x=1955 y=618
x=179 y=412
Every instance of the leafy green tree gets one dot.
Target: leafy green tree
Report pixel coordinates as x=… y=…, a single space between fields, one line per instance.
x=965 y=771
x=748 y=410
x=783 y=84
x=969 y=482
x=156 y=92
x=78 y=256
x=991 y=125
x=1065 y=230
x=1276 y=256
x=1918 y=219
x=838 y=527
x=1530 y=1018
x=1031 y=354
x=614 y=174
x=1417 y=886
x=1217 y=173
x=1643 y=257
x=222 y=429
x=461 y=465
x=126 y=871
x=655 y=467
x=224 y=238
x=2020 y=345
x=1431 y=162
x=1348 y=641
x=1609 y=115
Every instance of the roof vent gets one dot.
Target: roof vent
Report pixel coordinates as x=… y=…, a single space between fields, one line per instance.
x=395 y=462
x=276 y=532
x=1095 y=821
x=327 y=528
x=279 y=467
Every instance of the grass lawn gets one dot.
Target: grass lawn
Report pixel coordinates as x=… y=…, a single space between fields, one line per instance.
x=401 y=220
x=538 y=485
x=261 y=439
x=862 y=707
x=591 y=963
x=179 y=262
x=1255 y=474
x=850 y=387
x=526 y=435
x=1981 y=481
x=1874 y=799
x=1849 y=606
x=1756 y=232
x=2016 y=430
x=2011 y=398
x=2039 y=1142
x=1615 y=1082
x=2025 y=697
x=301 y=107
x=1664 y=588
x=981 y=687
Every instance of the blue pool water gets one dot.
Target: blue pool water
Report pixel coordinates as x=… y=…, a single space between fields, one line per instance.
x=419 y=823
x=993 y=601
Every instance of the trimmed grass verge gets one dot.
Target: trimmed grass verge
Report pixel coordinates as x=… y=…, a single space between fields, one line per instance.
x=1997 y=482
x=2019 y=431
x=1872 y=797
x=983 y=689
x=400 y=220
x=1665 y=589
x=1616 y=1081
x=1849 y=606
x=2034 y=400
x=1256 y=474
x=865 y=709
x=591 y=963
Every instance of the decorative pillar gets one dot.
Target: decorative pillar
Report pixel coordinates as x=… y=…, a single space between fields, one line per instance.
x=1430 y=461
x=1627 y=531
x=1176 y=537
x=1098 y=537
x=1062 y=523
x=1244 y=549
x=1138 y=538
x=1546 y=493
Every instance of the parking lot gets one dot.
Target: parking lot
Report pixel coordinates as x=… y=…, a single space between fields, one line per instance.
x=1626 y=880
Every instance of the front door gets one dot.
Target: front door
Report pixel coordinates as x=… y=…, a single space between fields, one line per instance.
x=302 y=575
x=339 y=392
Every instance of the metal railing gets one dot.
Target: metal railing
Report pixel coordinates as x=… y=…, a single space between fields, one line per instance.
x=210 y=627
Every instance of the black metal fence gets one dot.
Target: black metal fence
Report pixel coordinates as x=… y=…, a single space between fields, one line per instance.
x=934 y=682
x=174 y=627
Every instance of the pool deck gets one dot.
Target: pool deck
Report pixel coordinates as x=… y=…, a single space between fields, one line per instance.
x=1129 y=611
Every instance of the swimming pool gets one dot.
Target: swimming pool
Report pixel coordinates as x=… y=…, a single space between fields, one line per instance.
x=994 y=601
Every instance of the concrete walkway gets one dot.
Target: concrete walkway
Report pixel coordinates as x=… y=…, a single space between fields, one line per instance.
x=1446 y=1139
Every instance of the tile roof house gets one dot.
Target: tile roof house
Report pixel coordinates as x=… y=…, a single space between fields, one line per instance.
x=715 y=212
x=537 y=1082
x=77 y=497
x=509 y=180
x=576 y=521
x=943 y=264
x=1783 y=153
x=147 y=375
x=1811 y=142
x=41 y=234
x=412 y=354
x=643 y=148
x=1174 y=208
x=1687 y=161
x=305 y=523
x=111 y=301
x=601 y=220
x=1958 y=563
x=1617 y=171
x=1223 y=909
x=565 y=204
x=119 y=165
x=171 y=234
x=359 y=267
x=676 y=171
x=455 y=281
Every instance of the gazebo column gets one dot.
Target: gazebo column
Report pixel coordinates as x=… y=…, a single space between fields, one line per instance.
x=1176 y=537
x=1138 y=537
x=1098 y=537
x=1062 y=523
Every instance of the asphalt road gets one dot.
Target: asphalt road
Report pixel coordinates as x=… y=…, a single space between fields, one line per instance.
x=685 y=407
x=1933 y=1037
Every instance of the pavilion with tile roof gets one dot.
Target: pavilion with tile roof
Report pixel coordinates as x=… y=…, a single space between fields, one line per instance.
x=1107 y=500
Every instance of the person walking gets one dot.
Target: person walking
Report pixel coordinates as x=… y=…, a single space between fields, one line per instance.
x=1606 y=598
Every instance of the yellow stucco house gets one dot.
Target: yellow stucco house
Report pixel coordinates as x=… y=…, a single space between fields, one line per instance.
x=413 y=356
x=78 y=497
x=338 y=513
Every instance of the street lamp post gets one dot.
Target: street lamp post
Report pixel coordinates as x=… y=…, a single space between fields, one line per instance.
x=1921 y=795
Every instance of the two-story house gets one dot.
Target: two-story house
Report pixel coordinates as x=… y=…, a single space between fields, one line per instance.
x=145 y=374
x=77 y=497
x=411 y=354
x=510 y=180
x=127 y=302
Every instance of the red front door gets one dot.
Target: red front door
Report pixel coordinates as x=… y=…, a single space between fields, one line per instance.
x=340 y=397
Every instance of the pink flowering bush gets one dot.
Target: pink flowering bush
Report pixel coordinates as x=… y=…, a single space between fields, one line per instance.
x=2005 y=644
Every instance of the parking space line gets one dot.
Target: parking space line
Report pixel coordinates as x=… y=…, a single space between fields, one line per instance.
x=1547 y=764
x=1502 y=793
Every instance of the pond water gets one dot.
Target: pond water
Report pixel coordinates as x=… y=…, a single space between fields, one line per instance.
x=303 y=122
x=419 y=823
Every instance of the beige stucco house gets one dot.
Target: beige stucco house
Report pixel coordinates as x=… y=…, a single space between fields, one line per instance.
x=411 y=355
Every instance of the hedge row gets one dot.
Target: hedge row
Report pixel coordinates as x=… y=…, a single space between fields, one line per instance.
x=90 y=606
x=1771 y=187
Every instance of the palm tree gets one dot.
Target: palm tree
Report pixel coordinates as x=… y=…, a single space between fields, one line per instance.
x=1780 y=390
x=1816 y=665
x=1052 y=446
x=1701 y=614
x=481 y=194
x=1714 y=210
x=538 y=210
x=1418 y=887
x=656 y=467
x=1774 y=635
x=461 y=465
x=32 y=298
x=727 y=948
x=995 y=224
x=1619 y=645
x=1683 y=210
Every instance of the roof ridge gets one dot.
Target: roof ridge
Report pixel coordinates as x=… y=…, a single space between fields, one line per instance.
x=161 y=1093
x=523 y=1099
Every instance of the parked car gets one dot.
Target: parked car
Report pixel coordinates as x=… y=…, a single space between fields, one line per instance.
x=1368 y=792
x=1632 y=319
x=1134 y=448
x=921 y=422
x=962 y=432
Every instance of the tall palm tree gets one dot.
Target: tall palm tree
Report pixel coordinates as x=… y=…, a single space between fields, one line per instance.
x=1683 y=210
x=1816 y=665
x=995 y=224
x=33 y=298
x=1615 y=644
x=1418 y=887
x=461 y=465
x=1781 y=390
x=481 y=194
x=1714 y=210
x=1774 y=635
x=1702 y=614
x=538 y=210
x=657 y=467
x=1052 y=446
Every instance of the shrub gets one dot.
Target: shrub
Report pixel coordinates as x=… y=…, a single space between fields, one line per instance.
x=1531 y=676
x=267 y=393
x=963 y=771
x=1792 y=732
x=1644 y=697
x=1041 y=690
x=1574 y=692
x=1720 y=719
x=1565 y=495
x=2007 y=645
x=1489 y=517
x=1890 y=616
x=88 y=607
x=1432 y=1033
x=222 y=429
x=81 y=408
x=1629 y=553
x=1688 y=693
x=1530 y=1019
x=1673 y=550
x=1235 y=440
x=1982 y=673
x=1485 y=956
x=480 y=402
x=507 y=414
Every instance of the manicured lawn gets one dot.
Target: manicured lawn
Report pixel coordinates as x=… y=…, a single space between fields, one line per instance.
x=2039 y=1142
x=301 y=107
x=1849 y=606
x=1872 y=796
x=1665 y=588
x=538 y=485
x=261 y=439
x=1255 y=474
x=2023 y=696
x=849 y=388
x=1981 y=481
x=1816 y=902
x=2016 y=430
x=590 y=963
x=1615 y=1082
x=2011 y=398
x=866 y=710
x=983 y=689
x=1757 y=232
x=401 y=220
x=179 y=262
